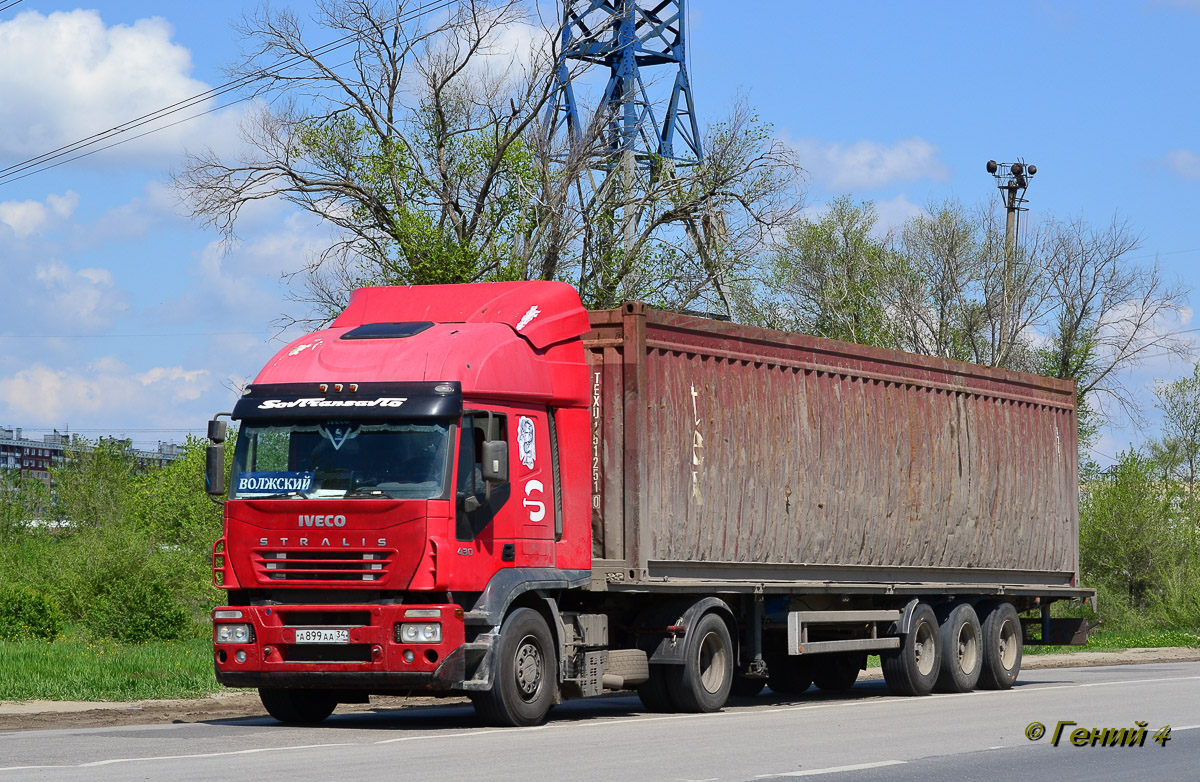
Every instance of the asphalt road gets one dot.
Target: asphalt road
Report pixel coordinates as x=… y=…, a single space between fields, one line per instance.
x=865 y=734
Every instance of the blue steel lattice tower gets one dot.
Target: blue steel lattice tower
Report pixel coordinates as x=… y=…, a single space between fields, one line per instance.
x=628 y=37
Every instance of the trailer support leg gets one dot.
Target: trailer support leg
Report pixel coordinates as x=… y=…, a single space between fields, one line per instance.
x=755 y=667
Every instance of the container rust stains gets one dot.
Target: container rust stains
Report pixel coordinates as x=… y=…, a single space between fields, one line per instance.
x=749 y=452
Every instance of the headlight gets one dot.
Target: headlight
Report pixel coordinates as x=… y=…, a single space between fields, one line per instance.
x=413 y=633
x=235 y=634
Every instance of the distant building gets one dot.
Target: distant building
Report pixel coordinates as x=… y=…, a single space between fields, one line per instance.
x=35 y=458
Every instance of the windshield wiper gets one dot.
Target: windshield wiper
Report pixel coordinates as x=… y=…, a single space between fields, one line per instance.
x=280 y=495
x=366 y=491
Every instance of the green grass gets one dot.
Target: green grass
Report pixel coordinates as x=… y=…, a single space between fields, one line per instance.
x=1116 y=639
x=1109 y=641
x=105 y=671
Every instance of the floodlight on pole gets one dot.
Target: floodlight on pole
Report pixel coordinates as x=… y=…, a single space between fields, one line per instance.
x=1012 y=180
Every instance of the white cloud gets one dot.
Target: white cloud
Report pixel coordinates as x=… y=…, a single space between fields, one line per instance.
x=1182 y=162
x=26 y=218
x=67 y=75
x=242 y=285
x=184 y=384
x=867 y=165
x=895 y=212
x=44 y=396
x=78 y=299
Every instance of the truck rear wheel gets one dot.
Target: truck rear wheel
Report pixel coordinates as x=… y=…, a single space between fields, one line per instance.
x=1002 y=645
x=304 y=707
x=524 y=682
x=962 y=650
x=837 y=672
x=702 y=683
x=745 y=687
x=788 y=674
x=913 y=668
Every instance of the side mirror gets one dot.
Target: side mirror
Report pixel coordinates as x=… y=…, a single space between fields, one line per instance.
x=495 y=461
x=217 y=430
x=214 y=468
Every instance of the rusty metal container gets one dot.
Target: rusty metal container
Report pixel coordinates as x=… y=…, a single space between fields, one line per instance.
x=726 y=453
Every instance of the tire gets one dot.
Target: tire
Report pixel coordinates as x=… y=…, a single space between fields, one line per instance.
x=913 y=668
x=745 y=687
x=837 y=672
x=702 y=683
x=654 y=692
x=525 y=680
x=962 y=650
x=789 y=675
x=630 y=664
x=1002 y=645
x=297 y=707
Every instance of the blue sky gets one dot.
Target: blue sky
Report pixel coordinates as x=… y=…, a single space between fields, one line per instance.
x=124 y=317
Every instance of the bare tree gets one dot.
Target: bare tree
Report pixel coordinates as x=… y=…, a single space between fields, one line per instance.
x=1109 y=314
x=955 y=304
x=420 y=138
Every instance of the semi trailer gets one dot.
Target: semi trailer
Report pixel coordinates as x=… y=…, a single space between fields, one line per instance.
x=487 y=490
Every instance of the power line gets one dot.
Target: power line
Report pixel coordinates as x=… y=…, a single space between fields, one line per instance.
x=7 y=6
x=43 y=162
x=135 y=336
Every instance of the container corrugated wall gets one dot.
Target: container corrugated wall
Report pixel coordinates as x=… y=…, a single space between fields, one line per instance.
x=723 y=449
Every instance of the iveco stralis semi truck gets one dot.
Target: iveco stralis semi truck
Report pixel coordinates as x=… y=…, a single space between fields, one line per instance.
x=487 y=490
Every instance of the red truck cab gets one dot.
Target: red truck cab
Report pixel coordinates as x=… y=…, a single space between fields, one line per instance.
x=394 y=477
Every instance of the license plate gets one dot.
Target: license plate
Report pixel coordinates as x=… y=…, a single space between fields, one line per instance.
x=323 y=635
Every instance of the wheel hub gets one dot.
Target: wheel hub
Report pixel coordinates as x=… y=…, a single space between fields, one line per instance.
x=529 y=668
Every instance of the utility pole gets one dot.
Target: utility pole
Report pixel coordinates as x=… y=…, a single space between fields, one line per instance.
x=1012 y=180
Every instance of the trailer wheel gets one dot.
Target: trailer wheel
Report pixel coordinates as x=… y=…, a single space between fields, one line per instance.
x=1002 y=645
x=523 y=687
x=962 y=650
x=304 y=707
x=837 y=672
x=913 y=668
x=702 y=683
x=789 y=675
x=655 y=693
x=745 y=687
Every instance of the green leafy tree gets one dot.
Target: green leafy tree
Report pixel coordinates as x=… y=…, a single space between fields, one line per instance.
x=22 y=499
x=93 y=484
x=1179 y=401
x=831 y=277
x=1128 y=534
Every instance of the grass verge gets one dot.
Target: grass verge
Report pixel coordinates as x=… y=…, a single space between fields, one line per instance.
x=105 y=671
x=1116 y=639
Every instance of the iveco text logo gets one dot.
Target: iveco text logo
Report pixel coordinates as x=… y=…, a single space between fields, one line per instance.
x=323 y=521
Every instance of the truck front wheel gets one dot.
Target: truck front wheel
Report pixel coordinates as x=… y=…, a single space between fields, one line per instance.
x=524 y=682
x=702 y=683
x=305 y=707
x=913 y=668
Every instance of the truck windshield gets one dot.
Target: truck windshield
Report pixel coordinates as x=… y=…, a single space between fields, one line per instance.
x=330 y=459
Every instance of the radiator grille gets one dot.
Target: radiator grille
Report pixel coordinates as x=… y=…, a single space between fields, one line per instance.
x=320 y=565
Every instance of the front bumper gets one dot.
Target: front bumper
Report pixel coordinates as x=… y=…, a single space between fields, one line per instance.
x=370 y=660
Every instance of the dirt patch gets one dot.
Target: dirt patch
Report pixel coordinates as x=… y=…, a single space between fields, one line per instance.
x=47 y=715
x=227 y=705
